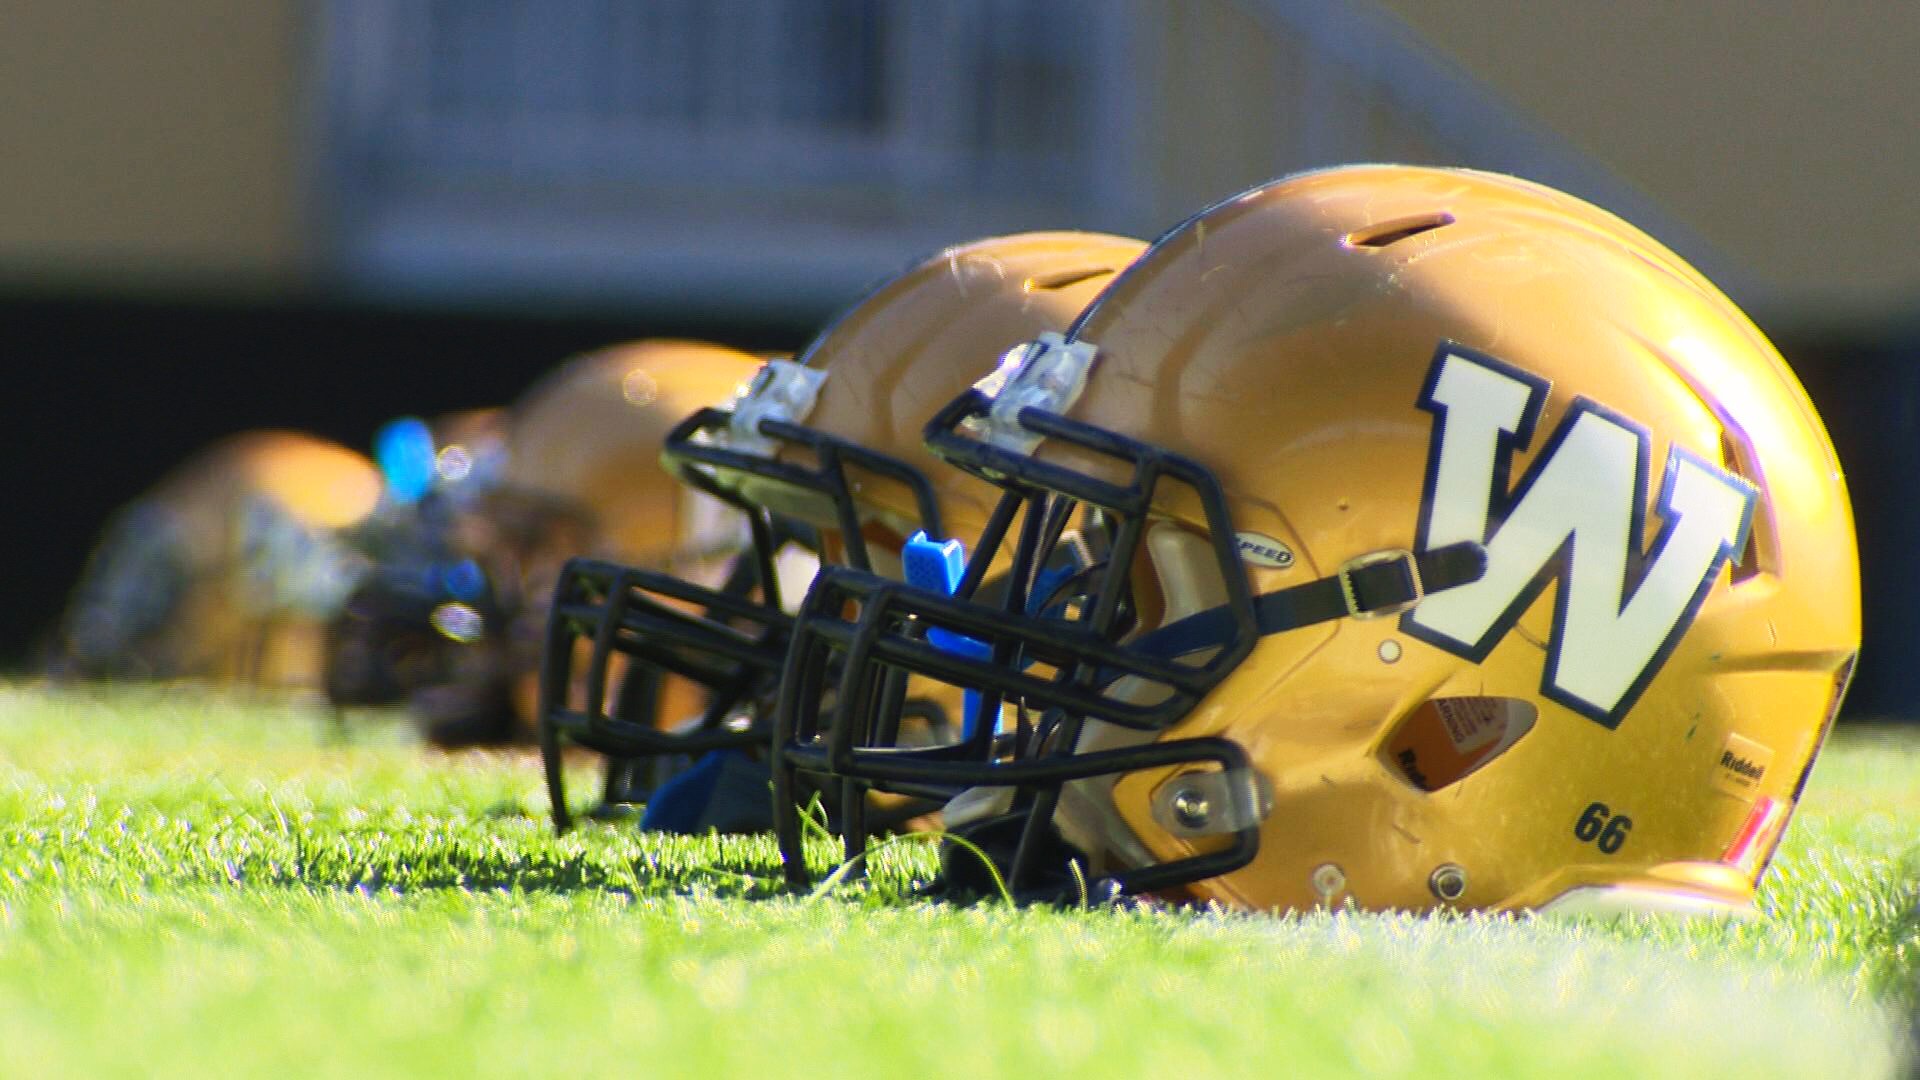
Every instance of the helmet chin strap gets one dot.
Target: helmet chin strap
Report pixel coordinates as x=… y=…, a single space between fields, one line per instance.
x=1197 y=619
x=1374 y=585
x=1201 y=612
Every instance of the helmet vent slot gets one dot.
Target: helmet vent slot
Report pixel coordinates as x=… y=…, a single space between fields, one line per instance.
x=1392 y=232
x=1758 y=554
x=1063 y=278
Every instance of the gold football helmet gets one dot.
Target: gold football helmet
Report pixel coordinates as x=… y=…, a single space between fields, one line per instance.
x=582 y=474
x=1471 y=551
x=588 y=437
x=228 y=569
x=826 y=448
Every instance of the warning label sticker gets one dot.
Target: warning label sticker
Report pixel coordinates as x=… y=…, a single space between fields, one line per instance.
x=1472 y=722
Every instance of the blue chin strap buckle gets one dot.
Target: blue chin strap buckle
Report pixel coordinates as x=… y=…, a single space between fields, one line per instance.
x=938 y=566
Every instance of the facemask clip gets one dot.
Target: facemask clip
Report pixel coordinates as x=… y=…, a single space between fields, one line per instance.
x=1047 y=373
x=782 y=390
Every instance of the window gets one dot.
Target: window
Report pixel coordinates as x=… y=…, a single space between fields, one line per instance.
x=476 y=146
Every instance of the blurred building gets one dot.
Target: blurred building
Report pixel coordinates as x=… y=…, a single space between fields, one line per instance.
x=776 y=154
x=782 y=153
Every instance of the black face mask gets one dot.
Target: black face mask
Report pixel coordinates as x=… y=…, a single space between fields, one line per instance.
x=730 y=641
x=1056 y=659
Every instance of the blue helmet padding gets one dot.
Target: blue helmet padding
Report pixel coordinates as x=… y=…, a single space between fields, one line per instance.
x=725 y=790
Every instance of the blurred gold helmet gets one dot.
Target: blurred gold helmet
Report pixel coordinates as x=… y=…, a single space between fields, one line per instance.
x=833 y=438
x=227 y=569
x=572 y=467
x=469 y=451
x=421 y=624
x=826 y=447
x=588 y=437
x=1474 y=552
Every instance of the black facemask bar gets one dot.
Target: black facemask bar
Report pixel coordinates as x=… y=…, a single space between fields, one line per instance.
x=728 y=641
x=874 y=631
x=696 y=445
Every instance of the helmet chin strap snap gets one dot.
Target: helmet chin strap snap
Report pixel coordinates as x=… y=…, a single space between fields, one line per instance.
x=1198 y=804
x=1350 y=592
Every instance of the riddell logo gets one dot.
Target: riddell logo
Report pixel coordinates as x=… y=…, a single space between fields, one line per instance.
x=1742 y=764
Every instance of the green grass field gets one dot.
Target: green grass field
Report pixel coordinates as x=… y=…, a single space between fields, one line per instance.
x=191 y=885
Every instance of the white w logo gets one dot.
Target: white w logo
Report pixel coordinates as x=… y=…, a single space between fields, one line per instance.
x=1577 y=515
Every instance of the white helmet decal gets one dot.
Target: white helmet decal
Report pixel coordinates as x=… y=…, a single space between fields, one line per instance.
x=1576 y=516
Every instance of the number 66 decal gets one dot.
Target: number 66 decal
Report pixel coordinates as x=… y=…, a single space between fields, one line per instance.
x=1601 y=827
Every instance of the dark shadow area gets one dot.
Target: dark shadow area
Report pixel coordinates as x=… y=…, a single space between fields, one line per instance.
x=364 y=862
x=1867 y=389
x=105 y=395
